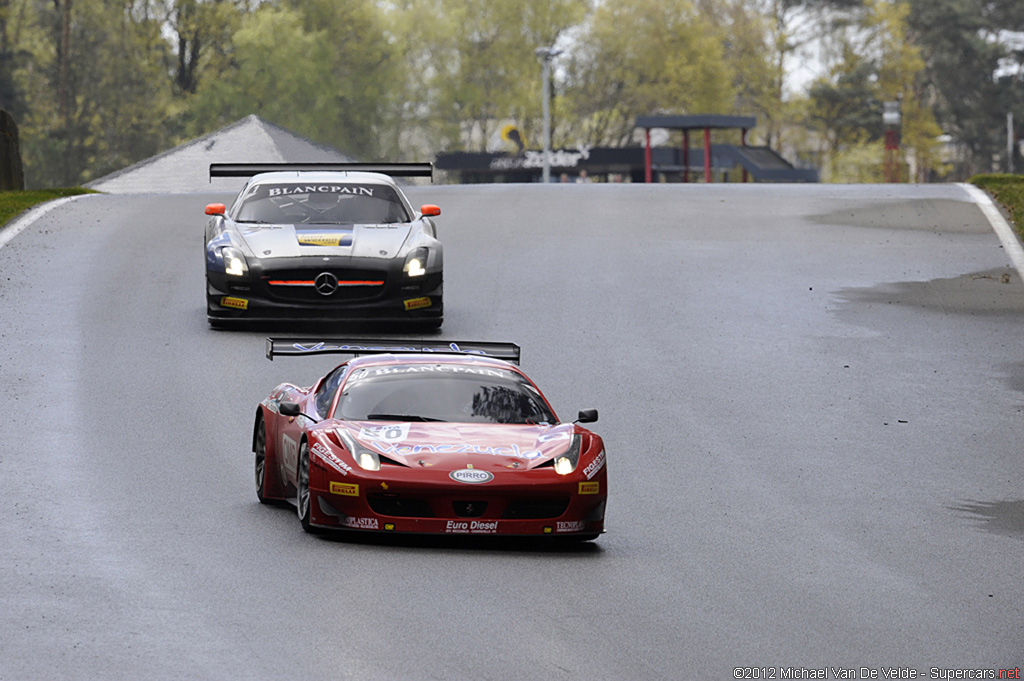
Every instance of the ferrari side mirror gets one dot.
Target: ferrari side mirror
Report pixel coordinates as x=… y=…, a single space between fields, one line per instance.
x=586 y=416
x=289 y=409
x=215 y=209
x=430 y=210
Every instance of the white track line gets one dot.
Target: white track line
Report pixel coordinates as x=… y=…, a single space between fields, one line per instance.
x=15 y=228
x=1001 y=227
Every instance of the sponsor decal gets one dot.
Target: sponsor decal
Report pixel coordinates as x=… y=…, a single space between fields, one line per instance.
x=272 y=403
x=289 y=451
x=330 y=458
x=559 y=158
x=235 y=303
x=594 y=466
x=328 y=239
x=437 y=369
x=360 y=523
x=555 y=435
x=471 y=476
x=452 y=448
x=389 y=527
x=547 y=529
x=397 y=347
x=417 y=303
x=570 y=526
x=590 y=487
x=346 y=490
x=354 y=189
x=393 y=432
x=471 y=527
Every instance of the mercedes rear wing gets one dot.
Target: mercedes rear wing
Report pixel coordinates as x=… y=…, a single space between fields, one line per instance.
x=357 y=347
x=393 y=169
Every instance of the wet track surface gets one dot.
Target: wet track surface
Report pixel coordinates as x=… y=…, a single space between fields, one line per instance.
x=812 y=398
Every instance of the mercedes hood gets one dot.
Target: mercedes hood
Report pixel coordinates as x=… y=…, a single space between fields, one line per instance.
x=289 y=241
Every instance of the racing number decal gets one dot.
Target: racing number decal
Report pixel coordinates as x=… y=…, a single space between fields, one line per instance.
x=289 y=452
x=396 y=432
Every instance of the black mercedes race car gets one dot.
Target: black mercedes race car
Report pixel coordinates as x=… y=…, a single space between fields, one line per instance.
x=323 y=242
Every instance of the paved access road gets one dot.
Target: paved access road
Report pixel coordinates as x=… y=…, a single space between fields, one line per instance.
x=812 y=396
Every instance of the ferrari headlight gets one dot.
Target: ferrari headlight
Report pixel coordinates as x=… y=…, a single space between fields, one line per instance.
x=234 y=262
x=416 y=263
x=366 y=458
x=566 y=463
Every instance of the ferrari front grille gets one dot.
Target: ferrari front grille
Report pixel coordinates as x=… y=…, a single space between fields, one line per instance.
x=535 y=509
x=469 y=509
x=387 y=504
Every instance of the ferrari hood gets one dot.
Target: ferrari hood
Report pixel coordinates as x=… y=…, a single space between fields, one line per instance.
x=289 y=241
x=454 y=445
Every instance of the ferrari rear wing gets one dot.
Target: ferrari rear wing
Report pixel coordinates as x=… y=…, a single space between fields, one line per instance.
x=356 y=347
x=393 y=169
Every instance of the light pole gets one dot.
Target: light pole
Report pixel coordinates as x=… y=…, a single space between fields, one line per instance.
x=546 y=54
x=892 y=119
x=1009 y=143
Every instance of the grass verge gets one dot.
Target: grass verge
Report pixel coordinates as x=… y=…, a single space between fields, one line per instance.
x=1009 y=191
x=13 y=204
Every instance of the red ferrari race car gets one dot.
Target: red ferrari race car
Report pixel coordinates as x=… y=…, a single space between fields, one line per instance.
x=427 y=437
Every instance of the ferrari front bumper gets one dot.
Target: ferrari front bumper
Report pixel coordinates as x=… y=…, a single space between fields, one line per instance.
x=569 y=508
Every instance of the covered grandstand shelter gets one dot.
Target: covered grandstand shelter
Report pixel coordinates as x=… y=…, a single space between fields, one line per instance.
x=705 y=122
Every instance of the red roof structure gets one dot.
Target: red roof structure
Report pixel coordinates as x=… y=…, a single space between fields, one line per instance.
x=707 y=122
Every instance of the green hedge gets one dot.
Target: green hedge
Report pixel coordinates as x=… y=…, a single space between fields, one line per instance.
x=1009 y=191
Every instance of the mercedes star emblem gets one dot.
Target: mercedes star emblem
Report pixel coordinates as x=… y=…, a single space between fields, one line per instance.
x=325 y=283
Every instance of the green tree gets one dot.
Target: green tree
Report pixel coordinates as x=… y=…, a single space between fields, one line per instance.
x=322 y=69
x=900 y=80
x=94 y=89
x=643 y=57
x=964 y=49
x=200 y=32
x=11 y=96
x=879 y=63
x=471 y=64
x=845 y=107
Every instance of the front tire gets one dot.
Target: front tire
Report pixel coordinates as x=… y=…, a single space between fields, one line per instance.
x=261 y=462
x=302 y=497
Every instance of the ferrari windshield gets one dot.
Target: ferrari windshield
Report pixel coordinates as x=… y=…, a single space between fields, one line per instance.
x=441 y=392
x=321 y=203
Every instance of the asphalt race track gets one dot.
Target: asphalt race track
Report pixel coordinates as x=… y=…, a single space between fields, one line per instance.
x=812 y=397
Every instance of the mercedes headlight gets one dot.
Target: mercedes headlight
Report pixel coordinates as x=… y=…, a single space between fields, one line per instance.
x=234 y=262
x=366 y=458
x=566 y=463
x=416 y=263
